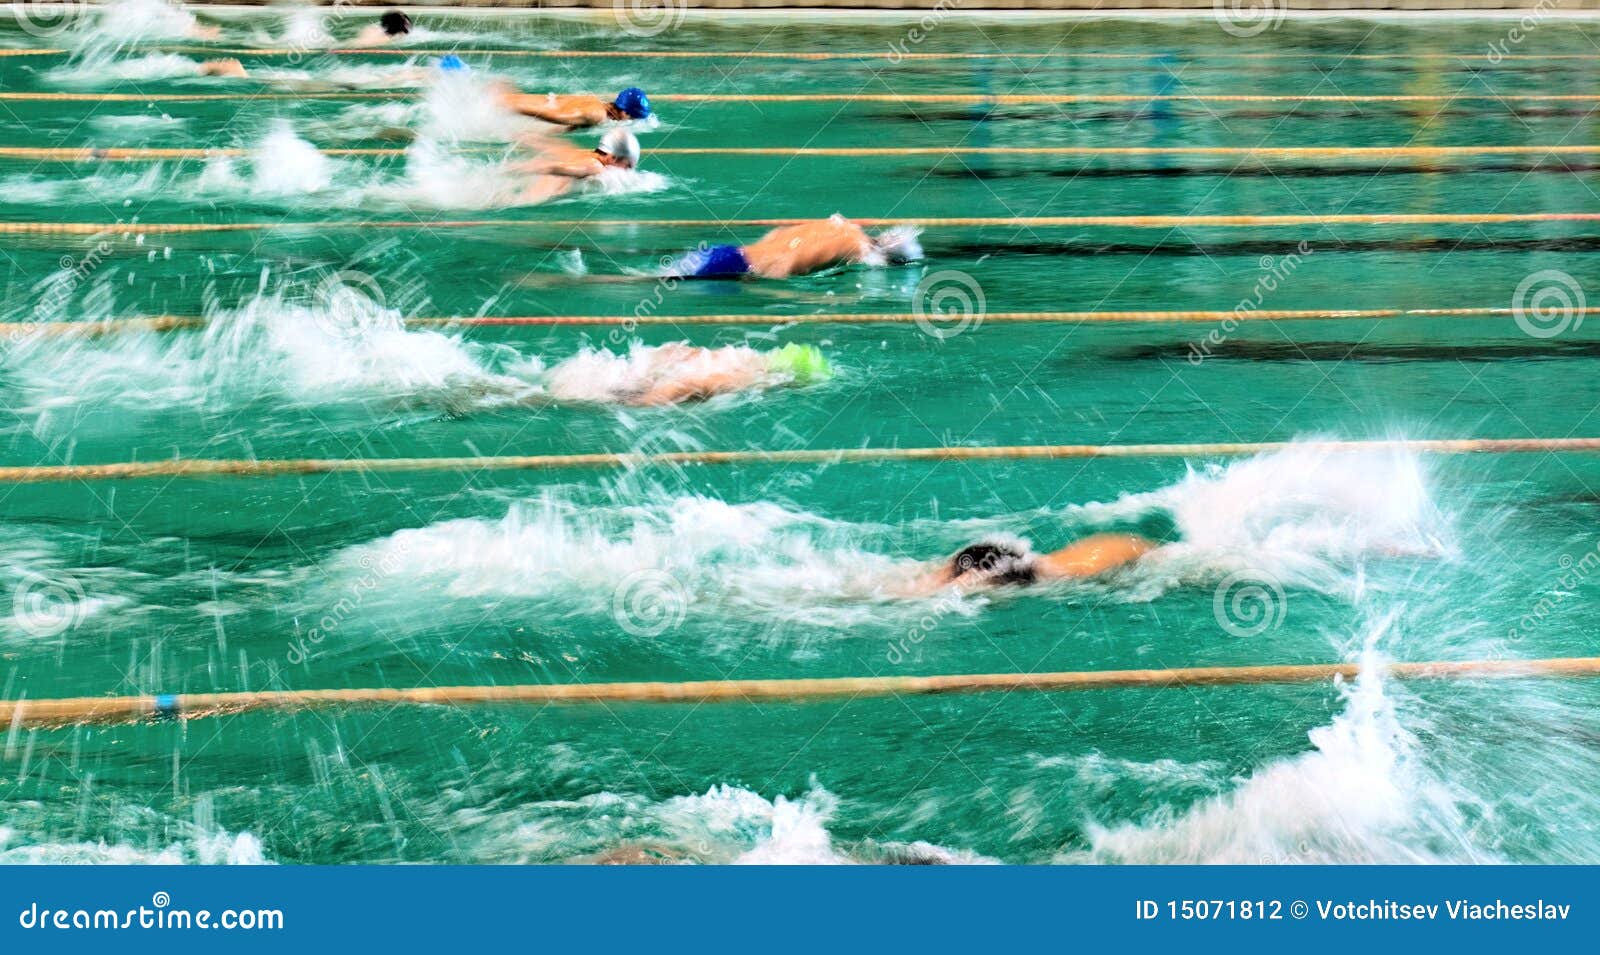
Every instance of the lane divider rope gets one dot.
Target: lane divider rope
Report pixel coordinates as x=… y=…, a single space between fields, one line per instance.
x=1020 y=222
x=123 y=709
x=819 y=55
x=162 y=323
x=241 y=467
x=93 y=153
x=966 y=99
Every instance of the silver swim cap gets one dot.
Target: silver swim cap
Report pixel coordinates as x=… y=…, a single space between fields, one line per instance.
x=621 y=144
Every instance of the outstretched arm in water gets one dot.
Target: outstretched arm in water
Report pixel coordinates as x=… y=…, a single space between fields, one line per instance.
x=1092 y=556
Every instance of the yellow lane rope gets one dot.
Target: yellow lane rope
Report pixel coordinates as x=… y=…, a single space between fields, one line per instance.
x=807 y=54
x=34 y=97
x=118 y=153
x=91 y=153
x=1019 y=222
x=969 y=99
x=239 y=467
x=123 y=709
x=1025 y=99
x=162 y=323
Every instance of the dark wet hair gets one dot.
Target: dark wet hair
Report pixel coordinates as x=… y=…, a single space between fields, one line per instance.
x=996 y=563
x=395 y=23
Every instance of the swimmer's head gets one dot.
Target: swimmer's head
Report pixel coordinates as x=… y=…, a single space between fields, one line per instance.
x=395 y=23
x=992 y=562
x=633 y=103
x=801 y=364
x=450 y=63
x=619 y=147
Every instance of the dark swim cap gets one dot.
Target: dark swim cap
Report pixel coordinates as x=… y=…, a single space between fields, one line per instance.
x=395 y=23
x=633 y=103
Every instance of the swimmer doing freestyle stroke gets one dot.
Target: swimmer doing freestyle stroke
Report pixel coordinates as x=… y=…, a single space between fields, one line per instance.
x=999 y=563
x=800 y=250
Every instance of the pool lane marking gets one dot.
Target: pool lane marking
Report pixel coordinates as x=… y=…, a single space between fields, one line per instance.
x=241 y=467
x=969 y=99
x=163 y=323
x=1026 y=222
x=1019 y=222
x=119 y=153
x=125 y=709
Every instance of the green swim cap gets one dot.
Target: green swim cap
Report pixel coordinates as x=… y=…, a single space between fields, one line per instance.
x=804 y=364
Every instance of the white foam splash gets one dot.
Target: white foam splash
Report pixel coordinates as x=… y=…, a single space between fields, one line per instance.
x=305 y=28
x=104 y=66
x=197 y=845
x=461 y=107
x=1360 y=795
x=124 y=20
x=285 y=164
x=48 y=599
x=626 y=182
x=341 y=346
x=779 y=832
x=760 y=559
x=1303 y=516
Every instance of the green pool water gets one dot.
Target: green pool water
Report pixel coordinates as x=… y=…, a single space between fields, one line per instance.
x=714 y=572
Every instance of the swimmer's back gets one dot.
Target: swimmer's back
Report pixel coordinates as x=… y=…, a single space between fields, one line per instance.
x=807 y=247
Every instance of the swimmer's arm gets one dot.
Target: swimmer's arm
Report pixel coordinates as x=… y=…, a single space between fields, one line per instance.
x=563 y=110
x=561 y=160
x=204 y=31
x=543 y=189
x=582 y=168
x=1092 y=556
x=929 y=579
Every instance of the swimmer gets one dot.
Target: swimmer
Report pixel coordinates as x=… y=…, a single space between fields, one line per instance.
x=228 y=68
x=577 y=110
x=389 y=28
x=800 y=250
x=679 y=372
x=1007 y=563
x=560 y=166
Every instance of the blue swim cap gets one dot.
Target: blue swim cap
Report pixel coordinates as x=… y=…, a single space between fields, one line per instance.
x=633 y=102
x=450 y=63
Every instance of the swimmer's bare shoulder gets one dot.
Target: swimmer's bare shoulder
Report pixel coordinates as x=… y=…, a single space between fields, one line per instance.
x=1092 y=556
x=807 y=247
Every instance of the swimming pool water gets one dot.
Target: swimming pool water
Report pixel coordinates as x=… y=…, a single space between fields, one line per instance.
x=765 y=571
